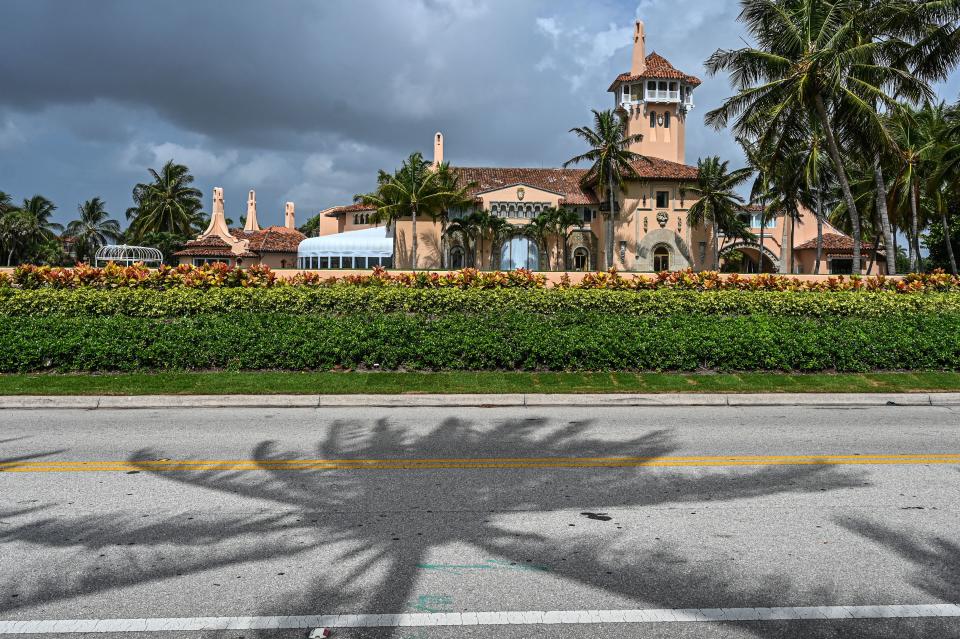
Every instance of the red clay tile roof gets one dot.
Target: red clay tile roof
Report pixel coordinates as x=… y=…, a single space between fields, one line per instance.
x=566 y=182
x=657 y=169
x=210 y=247
x=834 y=242
x=658 y=68
x=352 y=208
x=273 y=239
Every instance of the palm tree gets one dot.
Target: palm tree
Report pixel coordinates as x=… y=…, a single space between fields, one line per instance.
x=811 y=57
x=562 y=220
x=612 y=161
x=469 y=228
x=539 y=230
x=912 y=149
x=29 y=227
x=167 y=204
x=6 y=203
x=718 y=203
x=448 y=180
x=499 y=230
x=93 y=229
x=415 y=188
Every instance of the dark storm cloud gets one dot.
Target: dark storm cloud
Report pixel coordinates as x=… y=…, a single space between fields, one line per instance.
x=306 y=99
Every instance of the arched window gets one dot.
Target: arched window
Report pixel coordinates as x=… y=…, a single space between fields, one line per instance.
x=356 y=219
x=666 y=120
x=581 y=259
x=519 y=252
x=661 y=259
x=456 y=258
x=653 y=119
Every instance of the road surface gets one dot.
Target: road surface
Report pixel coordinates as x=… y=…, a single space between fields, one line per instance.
x=621 y=522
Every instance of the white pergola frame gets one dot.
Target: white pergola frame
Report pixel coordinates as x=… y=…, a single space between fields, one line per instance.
x=128 y=255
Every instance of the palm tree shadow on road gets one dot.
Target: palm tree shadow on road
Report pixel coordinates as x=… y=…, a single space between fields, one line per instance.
x=353 y=514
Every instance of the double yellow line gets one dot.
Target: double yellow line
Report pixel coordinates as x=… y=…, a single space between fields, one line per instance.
x=189 y=465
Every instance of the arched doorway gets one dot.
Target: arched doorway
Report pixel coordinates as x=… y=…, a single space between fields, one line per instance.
x=519 y=252
x=456 y=258
x=661 y=259
x=581 y=259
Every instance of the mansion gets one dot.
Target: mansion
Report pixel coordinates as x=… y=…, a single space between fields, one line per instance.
x=651 y=233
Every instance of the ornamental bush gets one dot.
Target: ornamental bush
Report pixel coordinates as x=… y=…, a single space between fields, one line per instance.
x=347 y=300
x=222 y=276
x=582 y=341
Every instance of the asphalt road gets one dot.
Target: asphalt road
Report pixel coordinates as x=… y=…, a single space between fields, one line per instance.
x=482 y=510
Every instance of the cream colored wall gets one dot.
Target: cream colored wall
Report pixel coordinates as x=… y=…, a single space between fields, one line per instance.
x=659 y=142
x=328 y=226
x=275 y=260
x=509 y=194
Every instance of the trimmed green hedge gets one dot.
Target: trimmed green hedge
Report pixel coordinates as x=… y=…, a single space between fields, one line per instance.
x=512 y=340
x=347 y=300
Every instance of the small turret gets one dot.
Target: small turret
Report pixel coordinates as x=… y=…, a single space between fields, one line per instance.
x=251 y=225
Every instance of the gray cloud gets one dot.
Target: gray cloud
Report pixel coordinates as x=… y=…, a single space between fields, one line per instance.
x=306 y=100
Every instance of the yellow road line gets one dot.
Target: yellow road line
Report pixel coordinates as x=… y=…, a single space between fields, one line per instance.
x=173 y=465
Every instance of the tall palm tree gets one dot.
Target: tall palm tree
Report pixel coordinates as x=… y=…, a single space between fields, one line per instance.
x=448 y=180
x=718 y=203
x=413 y=189
x=612 y=161
x=167 y=204
x=913 y=149
x=30 y=227
x=811 y=57
x=93 y=229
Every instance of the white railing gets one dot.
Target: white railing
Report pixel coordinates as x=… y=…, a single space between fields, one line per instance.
x=663 y=96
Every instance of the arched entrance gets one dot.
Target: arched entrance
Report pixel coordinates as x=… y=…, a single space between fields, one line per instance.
x=743 y=257
x=581 y=259
x=661 y=259
x=519 y=252
x=456 y=258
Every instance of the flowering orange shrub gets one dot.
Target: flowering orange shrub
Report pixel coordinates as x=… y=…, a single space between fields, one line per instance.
x=139 y=276
x=113 y=276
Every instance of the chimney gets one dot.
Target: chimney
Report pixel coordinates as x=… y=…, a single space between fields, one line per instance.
x=639 y=64
x=438 y=149
x=251 y=225
x=289 y=221
x=218 y=223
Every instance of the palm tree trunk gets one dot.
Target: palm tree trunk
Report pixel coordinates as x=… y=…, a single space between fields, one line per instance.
x=816 y=268
x=763 y=224
x=914 y=231
x=716 y=246
x=414 y=239
x=443 y=243
x=948 y=240
x=842 y=177
x=783 y=246
x=884 y=214
x=610 y=219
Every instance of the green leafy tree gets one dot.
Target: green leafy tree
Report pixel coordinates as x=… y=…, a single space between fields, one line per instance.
x=611 y=162
x=539 y=231
x=168 y=204
x=33 y=230
x=718 y=204
x=93 y=229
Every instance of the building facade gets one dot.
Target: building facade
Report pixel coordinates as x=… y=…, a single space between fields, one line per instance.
x=273 y=246
x=650 y=221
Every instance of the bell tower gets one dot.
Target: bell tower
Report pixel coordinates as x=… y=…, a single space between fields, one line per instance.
x=654 y=97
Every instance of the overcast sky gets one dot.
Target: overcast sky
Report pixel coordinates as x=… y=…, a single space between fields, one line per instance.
x=305 y=100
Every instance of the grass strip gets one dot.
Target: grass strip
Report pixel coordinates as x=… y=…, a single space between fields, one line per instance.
x=332 y=383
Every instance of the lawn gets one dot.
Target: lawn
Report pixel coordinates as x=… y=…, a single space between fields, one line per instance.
x=330 y=383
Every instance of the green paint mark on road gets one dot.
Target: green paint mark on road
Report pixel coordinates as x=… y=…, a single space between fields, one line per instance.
x=490 y=564
x=432 y=603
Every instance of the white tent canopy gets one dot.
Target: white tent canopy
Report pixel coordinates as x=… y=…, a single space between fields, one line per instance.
x=361 y=249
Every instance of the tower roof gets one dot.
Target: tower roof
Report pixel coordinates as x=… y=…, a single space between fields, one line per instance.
x=658 y=68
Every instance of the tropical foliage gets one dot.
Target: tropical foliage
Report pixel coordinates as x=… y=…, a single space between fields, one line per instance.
x=611 y=162
x=166 y=204
x=222 y=276
x=416 y=188
x=93 y=229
